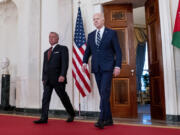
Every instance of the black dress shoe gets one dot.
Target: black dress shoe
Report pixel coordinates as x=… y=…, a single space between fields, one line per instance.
x=108 y=122
x=70 y=119
x=40 y=121
x=99 y=124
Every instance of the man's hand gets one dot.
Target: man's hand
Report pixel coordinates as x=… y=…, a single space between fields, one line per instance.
x=116 y=71
x=84 y=67
x=61 y=79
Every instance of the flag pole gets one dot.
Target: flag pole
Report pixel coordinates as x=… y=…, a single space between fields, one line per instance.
x=79 y=92
x=79 y=3
x=72 y=49
x=79 y=106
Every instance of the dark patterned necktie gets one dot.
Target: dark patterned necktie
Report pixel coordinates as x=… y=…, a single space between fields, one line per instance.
x=49 y=53
x=98 y=39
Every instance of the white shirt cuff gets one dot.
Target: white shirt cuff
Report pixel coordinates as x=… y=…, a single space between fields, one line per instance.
x=117 y=67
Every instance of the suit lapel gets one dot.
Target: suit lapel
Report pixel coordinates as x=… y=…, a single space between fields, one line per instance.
x=93 y=37
x=52 y=54
x=104 y=35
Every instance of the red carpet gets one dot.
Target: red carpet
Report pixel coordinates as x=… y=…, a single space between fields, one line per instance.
x=17 y=125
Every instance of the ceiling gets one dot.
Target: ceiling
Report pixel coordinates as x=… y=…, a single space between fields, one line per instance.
x=136 y=3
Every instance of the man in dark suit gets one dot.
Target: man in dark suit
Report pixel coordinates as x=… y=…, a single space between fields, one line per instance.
x=104 y=47
x=55 y=67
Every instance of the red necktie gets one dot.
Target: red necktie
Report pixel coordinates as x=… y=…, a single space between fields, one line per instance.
x=49 y=53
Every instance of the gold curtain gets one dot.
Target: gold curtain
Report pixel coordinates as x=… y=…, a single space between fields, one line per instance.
x=140 y=34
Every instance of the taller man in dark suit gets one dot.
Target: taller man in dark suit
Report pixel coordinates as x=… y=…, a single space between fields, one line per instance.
x=104 y=47
x=55 y=67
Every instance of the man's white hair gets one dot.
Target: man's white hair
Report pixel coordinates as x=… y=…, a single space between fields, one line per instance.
x=55 y=33
x=100 y=14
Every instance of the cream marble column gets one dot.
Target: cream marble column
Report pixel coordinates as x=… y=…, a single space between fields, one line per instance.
x=168 y=58
x=28 y=58
x=8 y=41
x=173 y=8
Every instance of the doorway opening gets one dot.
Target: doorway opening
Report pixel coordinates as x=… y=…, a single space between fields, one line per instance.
x=126 y=99
x=142 y=67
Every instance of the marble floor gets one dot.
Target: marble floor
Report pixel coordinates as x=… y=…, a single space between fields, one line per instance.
x=144 y=118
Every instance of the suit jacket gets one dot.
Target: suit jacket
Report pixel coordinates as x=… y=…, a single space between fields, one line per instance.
x=108 y=55
x=56 y=66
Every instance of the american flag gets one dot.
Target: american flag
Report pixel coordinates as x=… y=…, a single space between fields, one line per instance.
x=81 y=79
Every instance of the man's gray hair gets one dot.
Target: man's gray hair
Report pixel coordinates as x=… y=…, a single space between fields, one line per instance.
x=100 y=14
x=55 y=33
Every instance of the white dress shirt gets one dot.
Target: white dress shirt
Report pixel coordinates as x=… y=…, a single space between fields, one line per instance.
x=101 y=33
x=54 y=46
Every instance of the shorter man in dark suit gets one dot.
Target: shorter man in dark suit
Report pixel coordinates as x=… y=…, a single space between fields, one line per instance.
x=104 y=47
x=55 y=67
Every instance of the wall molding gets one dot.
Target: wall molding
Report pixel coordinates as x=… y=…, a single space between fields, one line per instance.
x=53 y=113
x=173 y=118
